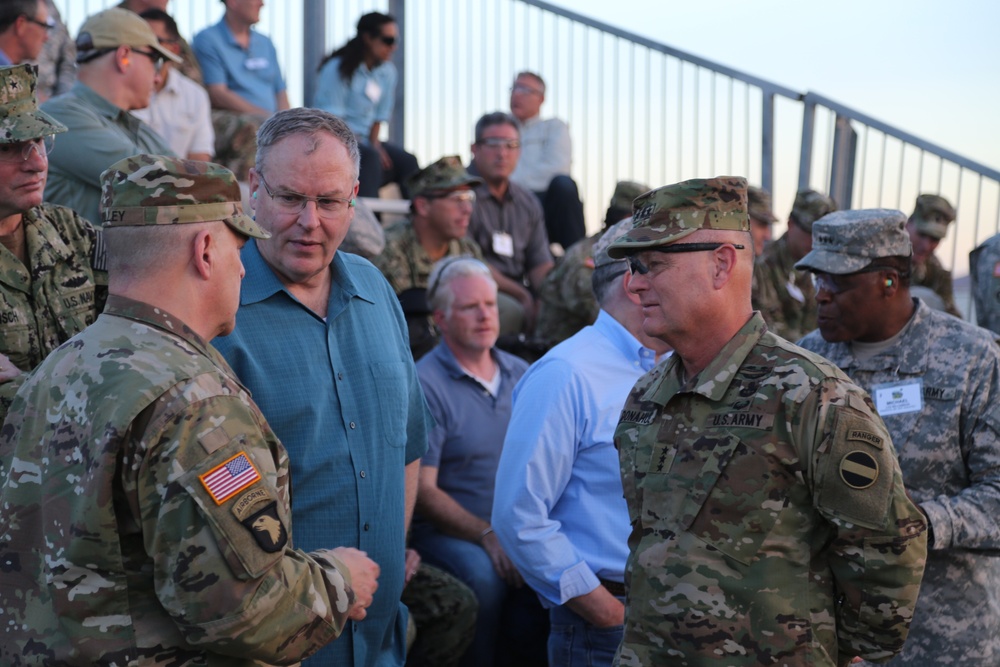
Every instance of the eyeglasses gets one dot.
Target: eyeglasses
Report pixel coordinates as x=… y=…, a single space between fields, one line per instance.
x=458 y=196
x=18 y=152
x=838 y=284
x=293 y=202
x=388 y=40
x=48 y=24
x=524 y=90
x=636 y=266
x=157 y=59
x=500 y=142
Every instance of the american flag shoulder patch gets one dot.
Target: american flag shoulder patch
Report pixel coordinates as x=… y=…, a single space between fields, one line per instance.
x=229 y=478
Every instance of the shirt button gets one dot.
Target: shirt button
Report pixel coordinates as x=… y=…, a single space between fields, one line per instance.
x=340 y=376
x=362 y=474
x=352 y=424
x=366 y=526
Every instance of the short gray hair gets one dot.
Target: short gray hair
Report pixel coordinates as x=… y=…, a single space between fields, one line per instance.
x=309 y=122
x=449 y=269
x=533 y=75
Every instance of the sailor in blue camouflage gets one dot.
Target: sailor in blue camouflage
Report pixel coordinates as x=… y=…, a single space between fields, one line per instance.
x=936 y=383
x=145 y=499
x=769 y=521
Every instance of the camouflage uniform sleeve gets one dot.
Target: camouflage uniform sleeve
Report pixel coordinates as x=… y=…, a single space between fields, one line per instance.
x=879 y=547
x=209 y=485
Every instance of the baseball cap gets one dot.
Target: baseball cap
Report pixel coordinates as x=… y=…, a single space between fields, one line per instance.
x=118 y=27
x=160 y=190
x=445 y=174
x=932 y=215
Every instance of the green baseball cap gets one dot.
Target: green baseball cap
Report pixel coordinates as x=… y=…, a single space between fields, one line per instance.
x=118 y=27
x=932 y=215
x=809 y=207
x=670 y=213
x=445 y=174
x=848 y=241
x=160 y=190
x=20 y=117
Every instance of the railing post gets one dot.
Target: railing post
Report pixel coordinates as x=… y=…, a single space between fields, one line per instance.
x=313 y=45
x=845 y=146
x=398 y=10
x=805 y=153
x=767 y=142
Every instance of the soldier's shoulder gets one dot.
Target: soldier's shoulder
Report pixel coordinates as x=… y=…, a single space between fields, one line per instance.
x=965 y=338
x=787 y=355
x=397 y=231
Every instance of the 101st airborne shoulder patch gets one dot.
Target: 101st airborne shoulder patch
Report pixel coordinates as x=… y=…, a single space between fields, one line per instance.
x=229 y=478
x=267 y=529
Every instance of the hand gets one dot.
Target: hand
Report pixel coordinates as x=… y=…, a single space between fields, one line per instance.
x=501 y=563
x=411 y=565
x=383 y=156
x=364 y=579
x=8 y=371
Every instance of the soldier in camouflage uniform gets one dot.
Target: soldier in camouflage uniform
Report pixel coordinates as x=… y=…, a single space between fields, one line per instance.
x=984 y=269
x=783 y=295
x=443 y=609
x=927 y=225
x=440 y=209
x=761 y=218
x=936 y=383
x=566 y=302
x=52 y=279
x=769 y=521
x=160 y=534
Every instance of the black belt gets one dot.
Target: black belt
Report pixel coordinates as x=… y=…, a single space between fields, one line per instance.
x=616 y=588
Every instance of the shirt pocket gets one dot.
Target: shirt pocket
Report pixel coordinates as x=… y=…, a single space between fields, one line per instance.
x=17 y=344
x=393 y=407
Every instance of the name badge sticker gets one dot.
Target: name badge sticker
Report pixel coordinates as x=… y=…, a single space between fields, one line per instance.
x=896 y=398
x=503 y=244
x=254 y=64
x=373 y=91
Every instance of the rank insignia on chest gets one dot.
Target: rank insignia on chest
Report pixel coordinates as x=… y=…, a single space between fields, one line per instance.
x=229 y=478
x=858 y=469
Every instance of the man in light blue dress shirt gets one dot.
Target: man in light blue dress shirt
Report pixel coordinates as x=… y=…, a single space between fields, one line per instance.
x=558 y=508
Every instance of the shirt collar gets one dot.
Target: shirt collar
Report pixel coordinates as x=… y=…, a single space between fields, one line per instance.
x=156 y=317
x=901 y=358
x=623 y=341
x=101 y=105
x=451 y=365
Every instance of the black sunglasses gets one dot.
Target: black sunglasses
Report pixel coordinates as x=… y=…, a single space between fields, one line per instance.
x=388 y=40
x=636 y=266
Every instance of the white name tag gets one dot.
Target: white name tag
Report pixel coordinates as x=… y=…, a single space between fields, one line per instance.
x=253 y=64
x=373 y=91
x=794 y=291
x=503 y=244
x=896 y=398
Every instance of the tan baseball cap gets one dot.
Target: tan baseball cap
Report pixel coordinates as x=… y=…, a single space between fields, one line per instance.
x=118 y=27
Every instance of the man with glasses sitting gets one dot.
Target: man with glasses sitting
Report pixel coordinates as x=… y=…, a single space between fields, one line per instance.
x=24 y=29
x=936 y=382
x=52 y=275
x=119 y=60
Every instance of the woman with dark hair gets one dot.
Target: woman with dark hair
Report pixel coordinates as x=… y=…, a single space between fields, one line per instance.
x=357 y=82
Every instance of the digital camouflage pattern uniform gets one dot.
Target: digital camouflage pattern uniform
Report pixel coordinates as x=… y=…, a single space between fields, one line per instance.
x=566 y=300
x=984 y=269
x=931 y=216
x=948 y=445
x=444 y=611
x=146 y=502
x=784 y=296
x=769 y=521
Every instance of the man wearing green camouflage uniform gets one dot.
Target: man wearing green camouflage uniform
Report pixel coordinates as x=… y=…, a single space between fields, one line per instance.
x=769 y=520
x=442 y=204
x=783 y=295
x=566 y=301
x=984 y=270
x=52 y=279
x=928 y=224
x=935 y=381
x=146 y=500
x=761 y=218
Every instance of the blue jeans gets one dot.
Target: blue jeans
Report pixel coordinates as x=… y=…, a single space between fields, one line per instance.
x=575 y=643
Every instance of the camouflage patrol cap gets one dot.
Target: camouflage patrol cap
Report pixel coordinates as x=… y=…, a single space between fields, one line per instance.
x=445 y=174
x=625 y=193
x=932 y=215
x=601 y=245
x=668 y=214
x=160 y=190
x=848 y=241
x=20 y=117
x=809 y=207
x=118 y=27
x=759 y=205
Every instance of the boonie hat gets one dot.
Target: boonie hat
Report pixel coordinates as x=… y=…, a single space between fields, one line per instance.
x=118 y=27
x=932 y=215
x=668 y=214
x=809 y=207
x=848 y=241
x=445 y=174
x=20 y=117
x=160 y=190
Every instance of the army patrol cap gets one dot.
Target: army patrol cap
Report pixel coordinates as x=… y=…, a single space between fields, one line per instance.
x=601 y=245
x=625 y=193
x=809 y=207
x=932 y=216
x=445 y=174
x=670 y=213
x=20 y=117
x=848 y=241
x=118 y=27
x=759 y=205
x=160 y=190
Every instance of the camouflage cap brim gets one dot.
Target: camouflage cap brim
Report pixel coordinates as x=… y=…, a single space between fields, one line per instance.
x=636 y=241
x=29 y=125
x=832 y=262
x=932 y=228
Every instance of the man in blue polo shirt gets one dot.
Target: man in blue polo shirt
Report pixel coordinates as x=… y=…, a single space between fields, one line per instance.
x=320 y=341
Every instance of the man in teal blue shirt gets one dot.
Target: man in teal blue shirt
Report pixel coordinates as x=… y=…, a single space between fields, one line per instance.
x=321 y=343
